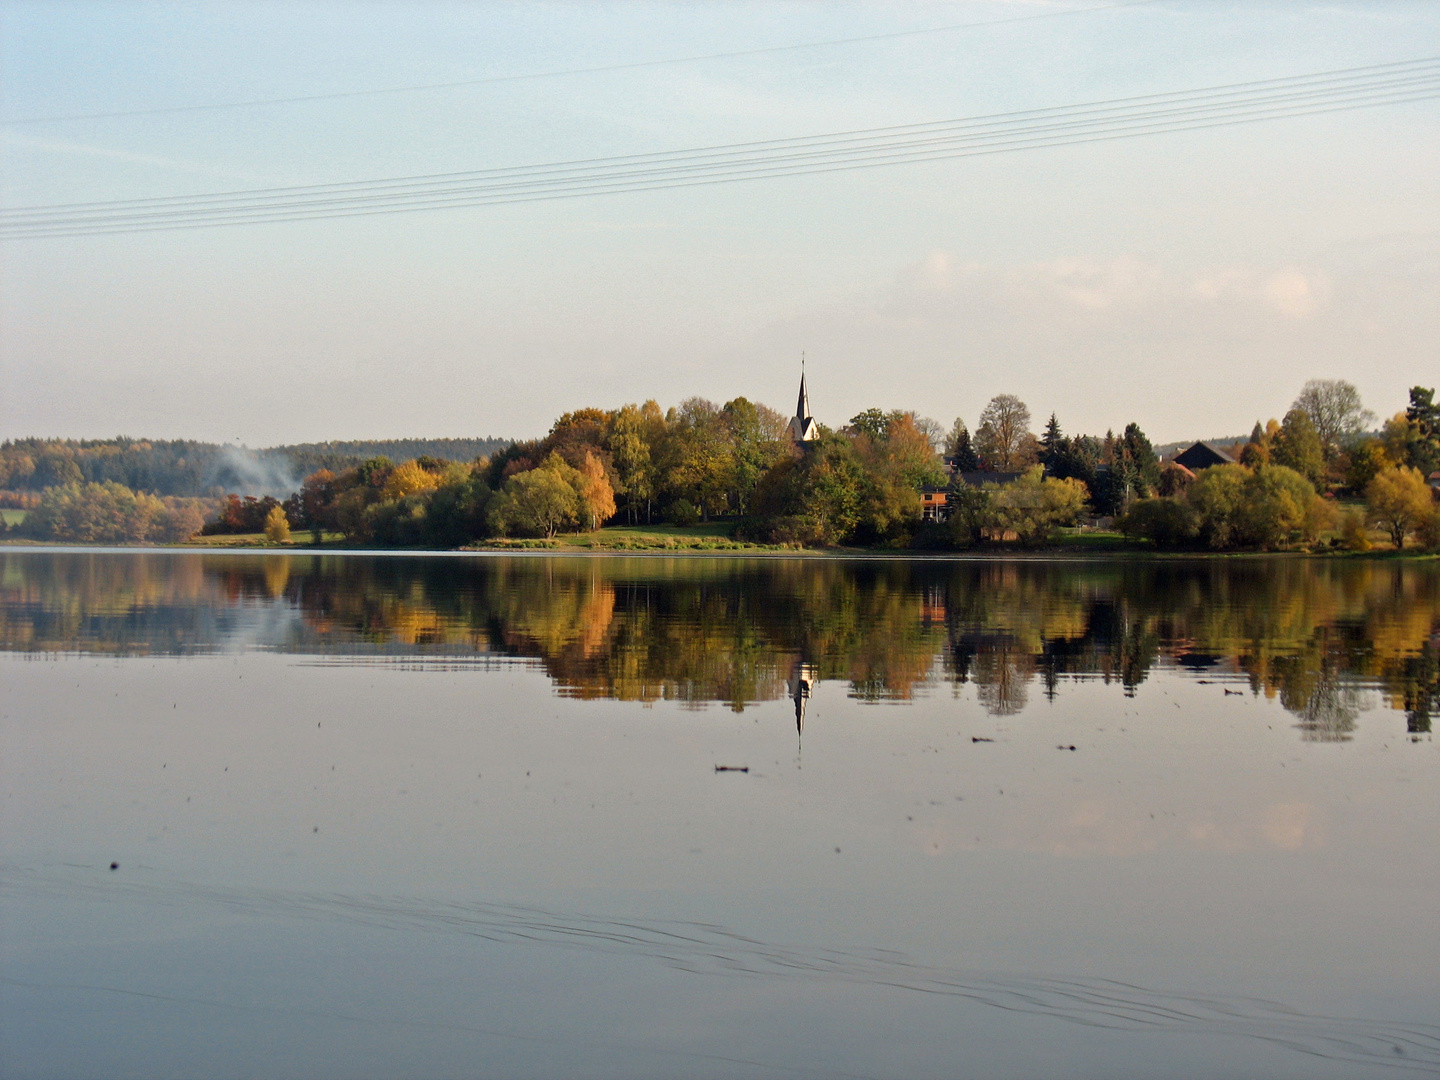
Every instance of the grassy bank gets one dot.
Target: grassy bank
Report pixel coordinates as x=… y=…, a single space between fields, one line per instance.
x=709 y=537
x=713 y=538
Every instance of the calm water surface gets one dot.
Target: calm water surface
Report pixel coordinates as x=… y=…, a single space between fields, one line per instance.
x=638 y=817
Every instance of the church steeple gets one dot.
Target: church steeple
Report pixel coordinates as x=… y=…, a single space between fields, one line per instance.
x=803 y=428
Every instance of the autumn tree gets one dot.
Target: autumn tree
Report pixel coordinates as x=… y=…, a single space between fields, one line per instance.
x=1336 y=412
x=277 y=526
x=597 y=497
x=701 y=461
x=316 y=502
x=1398 y=500
x=632 y=437
x=110 y=512
x=411 y=476
x=1267 y=507
x=1003 y=440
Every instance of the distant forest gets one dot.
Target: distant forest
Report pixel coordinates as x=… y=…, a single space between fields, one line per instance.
x=183 y=467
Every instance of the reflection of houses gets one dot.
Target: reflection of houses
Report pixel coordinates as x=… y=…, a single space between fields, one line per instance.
x=1202 y=456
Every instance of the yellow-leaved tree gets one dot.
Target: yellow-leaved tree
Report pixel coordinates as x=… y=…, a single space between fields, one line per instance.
x=407 y=478
x=597 y=496
x=277 y=526
x=1399 y=501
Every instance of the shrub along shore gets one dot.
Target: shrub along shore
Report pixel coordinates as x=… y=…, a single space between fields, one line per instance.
x=732 y=478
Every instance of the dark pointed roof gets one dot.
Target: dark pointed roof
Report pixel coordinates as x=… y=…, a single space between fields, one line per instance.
x=803 y=427
x=1202 y=455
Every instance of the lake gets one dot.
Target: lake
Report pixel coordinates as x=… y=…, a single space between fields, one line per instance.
x=292 y=815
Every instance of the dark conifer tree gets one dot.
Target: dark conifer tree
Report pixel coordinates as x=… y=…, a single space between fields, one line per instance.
x=965 y=458
x=1052 y=445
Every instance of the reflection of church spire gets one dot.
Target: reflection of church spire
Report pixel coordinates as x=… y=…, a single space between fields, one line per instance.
x=801 y=682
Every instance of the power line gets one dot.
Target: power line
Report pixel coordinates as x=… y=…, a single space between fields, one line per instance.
x=1218 y=106
x=601 y=70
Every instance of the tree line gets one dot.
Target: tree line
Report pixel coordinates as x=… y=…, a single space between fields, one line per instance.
x=187 y=468
x=864 y=484
x=1281 y=491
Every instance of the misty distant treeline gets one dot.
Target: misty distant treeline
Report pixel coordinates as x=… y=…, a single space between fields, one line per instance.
x=185 y=467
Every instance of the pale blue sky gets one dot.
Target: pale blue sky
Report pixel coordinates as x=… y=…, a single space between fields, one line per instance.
x=1190 y=281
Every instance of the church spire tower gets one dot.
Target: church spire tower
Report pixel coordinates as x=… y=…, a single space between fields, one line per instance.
x=803 y=428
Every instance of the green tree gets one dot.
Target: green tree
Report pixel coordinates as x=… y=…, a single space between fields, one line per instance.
x=1423 y=417
x=539 y=502
x=1280 y=507
x=1218 y=498
x=757 y=441
x=1034 y=507
x=960 y=450
x=1297 y=446
x=633 y=439
x=1398 y=500
x=1164 y=522
x=1367 y=459
x=701 y=463
x=969 y=512
x=871 y=422
x=817 y=498
x=1052 y=443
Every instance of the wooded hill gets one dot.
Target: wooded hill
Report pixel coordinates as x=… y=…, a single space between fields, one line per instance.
x=185 y=467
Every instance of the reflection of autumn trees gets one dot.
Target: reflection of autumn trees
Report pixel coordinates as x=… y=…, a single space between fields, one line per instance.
x=1320 y=636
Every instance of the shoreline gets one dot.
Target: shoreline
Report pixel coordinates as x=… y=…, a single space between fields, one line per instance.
x=838 y=554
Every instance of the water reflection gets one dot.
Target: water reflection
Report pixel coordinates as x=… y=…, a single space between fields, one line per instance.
x=1328 y=638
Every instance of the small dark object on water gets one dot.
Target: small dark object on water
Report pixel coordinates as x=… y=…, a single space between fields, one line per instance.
x=1064 y=748
x=732 y=768
x=114 y=866
x=980 y=738
x=1237 y=693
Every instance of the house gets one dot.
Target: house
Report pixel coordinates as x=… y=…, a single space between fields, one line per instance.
x=1434 y=481
x=983 y=476
x=933 y=503
x=1201 y=456
x=803 y=428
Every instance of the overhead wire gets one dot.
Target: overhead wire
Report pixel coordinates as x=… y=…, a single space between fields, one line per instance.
x=1118 y=118
x=604 y=69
